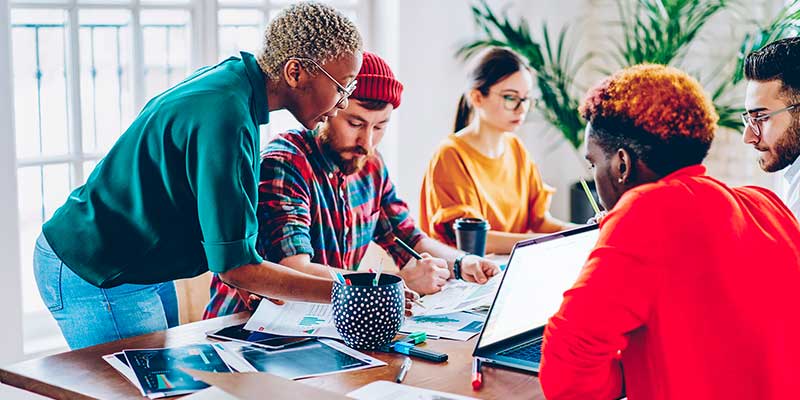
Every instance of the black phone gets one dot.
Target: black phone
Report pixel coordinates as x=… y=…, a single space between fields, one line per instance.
x=237 y=333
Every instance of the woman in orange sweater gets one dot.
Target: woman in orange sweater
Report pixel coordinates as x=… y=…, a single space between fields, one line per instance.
x=483 y=170
x=693 y=285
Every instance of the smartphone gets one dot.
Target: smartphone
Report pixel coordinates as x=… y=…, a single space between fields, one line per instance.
x=237 y=333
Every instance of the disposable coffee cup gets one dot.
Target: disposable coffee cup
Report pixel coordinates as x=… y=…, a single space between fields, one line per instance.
x=471 y=235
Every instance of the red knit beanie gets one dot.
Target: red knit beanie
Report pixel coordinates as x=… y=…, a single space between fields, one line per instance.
x=376 y=81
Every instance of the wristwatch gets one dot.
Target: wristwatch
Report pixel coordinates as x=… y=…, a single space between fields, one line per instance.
x=457 y=265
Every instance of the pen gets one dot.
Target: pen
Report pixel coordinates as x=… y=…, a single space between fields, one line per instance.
x=340 y=278
x=589 y=195
x=403 y=370
x=333 y=275
x=407 y=248
x=477 y=376
x=378 y=274
x=419 y=303
x=410 y=350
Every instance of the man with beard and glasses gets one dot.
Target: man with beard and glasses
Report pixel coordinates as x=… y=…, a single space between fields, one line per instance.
x=772 y=119
x=325 y=195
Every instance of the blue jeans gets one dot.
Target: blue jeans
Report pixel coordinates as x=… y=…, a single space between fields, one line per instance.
x=88 y=315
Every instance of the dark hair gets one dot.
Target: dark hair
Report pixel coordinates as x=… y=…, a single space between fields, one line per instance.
x=779 y=60
x=663 y=156
x=491 y=66
x=372 y=104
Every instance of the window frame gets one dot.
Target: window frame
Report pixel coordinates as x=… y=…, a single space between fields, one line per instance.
x=204 y=32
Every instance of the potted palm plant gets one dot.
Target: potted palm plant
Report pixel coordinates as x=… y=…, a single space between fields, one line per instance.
x=653 y=31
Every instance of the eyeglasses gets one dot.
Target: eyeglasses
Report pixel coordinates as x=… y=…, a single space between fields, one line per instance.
x=344 y=91
x=754 y=122
x=512 y=102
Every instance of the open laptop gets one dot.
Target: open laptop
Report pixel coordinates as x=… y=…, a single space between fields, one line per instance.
x=539 y=271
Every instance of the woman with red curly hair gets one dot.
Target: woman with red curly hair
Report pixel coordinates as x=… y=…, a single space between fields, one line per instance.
x=692 y=284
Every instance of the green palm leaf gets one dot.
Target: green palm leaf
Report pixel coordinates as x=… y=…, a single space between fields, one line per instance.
x=661 y=31
x=550 y=59
x=785 y=24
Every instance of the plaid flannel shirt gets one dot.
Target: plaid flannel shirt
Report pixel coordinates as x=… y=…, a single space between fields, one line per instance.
x=307 y=206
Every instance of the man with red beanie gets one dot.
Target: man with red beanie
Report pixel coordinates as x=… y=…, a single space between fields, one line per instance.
x=324 y=194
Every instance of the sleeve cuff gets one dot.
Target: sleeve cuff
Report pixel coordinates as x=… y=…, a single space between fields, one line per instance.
x=225 y=256
x=288 y=246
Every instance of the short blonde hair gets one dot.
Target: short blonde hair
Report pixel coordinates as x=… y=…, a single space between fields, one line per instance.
x=309 y=30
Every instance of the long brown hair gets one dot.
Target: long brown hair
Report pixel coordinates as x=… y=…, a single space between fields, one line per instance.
x=491 y=66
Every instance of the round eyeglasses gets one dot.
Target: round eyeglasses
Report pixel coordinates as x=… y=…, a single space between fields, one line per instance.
x=513 y=102
x=344 y=91
x=754 y=121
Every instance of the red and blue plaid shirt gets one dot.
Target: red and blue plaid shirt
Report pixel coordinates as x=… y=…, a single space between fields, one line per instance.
x=307 y=206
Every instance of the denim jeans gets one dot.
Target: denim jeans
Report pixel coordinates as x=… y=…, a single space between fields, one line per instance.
x=88 y=315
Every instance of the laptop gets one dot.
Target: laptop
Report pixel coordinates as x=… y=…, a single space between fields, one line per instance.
x=539 y=271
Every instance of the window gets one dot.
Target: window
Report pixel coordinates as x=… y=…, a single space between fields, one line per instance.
x=81 y=70
x=241 y=28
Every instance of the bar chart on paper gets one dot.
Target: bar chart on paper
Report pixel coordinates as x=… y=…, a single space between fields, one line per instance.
x=457 y=296
x=294 y=319
x=159 y=371
x=458 y=326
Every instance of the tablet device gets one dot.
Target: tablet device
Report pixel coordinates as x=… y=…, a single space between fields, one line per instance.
x=237 y=333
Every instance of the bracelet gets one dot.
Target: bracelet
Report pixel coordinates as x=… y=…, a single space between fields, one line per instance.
x=457 y=265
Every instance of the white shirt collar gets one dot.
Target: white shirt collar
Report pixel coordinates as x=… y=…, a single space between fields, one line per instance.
x=792 y=171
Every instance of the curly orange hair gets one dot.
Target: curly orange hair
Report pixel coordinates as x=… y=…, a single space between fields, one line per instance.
x=660 y=100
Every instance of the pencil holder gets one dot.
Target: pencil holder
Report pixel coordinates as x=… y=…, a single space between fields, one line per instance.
x=366 y=316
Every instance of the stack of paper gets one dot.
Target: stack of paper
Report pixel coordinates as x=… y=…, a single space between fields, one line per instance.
x=458 y=296
x=443 y=314
x=294 y=319
x=157 y=372
x=314 y=358
x=458 y=326
x=160 y=372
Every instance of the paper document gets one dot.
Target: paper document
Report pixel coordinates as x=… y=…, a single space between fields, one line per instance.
x=120 y=363
x=385 y=390
x=314 y=358
x=459 y=326
x=294 y=319
x=458 y=296
x=159 y=371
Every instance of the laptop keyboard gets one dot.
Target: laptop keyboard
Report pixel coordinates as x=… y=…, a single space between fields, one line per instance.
x=528 y=351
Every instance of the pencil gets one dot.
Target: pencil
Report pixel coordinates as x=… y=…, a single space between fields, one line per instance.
x=333 y=275
x=589 y=195
x=407 y=248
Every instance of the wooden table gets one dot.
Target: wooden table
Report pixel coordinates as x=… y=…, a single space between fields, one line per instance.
x=83 y=374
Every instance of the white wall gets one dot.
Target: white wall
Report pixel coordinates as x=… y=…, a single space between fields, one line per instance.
x=422 y=55
x=428 y=37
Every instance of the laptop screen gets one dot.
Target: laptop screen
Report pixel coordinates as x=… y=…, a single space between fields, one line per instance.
x=539 y=272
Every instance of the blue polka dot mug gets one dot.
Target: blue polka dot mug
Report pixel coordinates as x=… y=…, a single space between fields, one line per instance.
x=367 y=316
